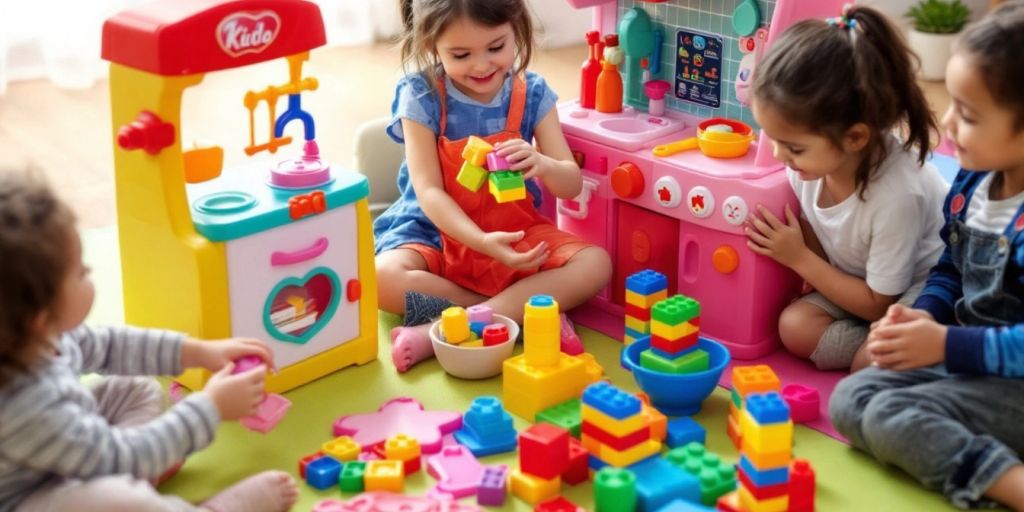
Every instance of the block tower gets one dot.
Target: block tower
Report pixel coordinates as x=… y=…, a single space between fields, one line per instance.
x=765 y=453
x=503 y=183
x=747 y=380
x=544 y=455
x=615 y=430
x=543 y=376
x=643 y=290
x=675 y=329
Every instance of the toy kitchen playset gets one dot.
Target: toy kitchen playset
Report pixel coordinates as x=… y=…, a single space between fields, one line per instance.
x=672 y=162
x=279 y=249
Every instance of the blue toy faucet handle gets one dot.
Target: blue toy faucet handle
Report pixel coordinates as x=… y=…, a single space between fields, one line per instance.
x=295 y=112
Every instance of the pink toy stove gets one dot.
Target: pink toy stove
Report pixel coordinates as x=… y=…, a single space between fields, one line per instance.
x=683 y=216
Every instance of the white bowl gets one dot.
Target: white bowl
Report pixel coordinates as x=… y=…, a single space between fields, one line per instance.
x=474 y=362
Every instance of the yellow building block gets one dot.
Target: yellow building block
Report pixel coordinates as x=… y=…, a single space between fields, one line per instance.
x=384 y=475
x=507 y=196
x=749 y=504
x=541 y=334
x=343 y=448
x=734 y=412
x=475 y=343
x=657 y=421
x=402 y=448
x=673 y=332
x=475 y=151
x=755 y=379
x=531 y=489
x=641 y=326
x=527 y=389
x=766 y=460
x=645 y=301
x=774 y=437
x=594 y=369
x=615 y=427
x=629 y=456
x=628 y=340
x=455 y=325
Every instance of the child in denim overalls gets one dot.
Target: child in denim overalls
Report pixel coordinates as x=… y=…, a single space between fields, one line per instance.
x=943 y=400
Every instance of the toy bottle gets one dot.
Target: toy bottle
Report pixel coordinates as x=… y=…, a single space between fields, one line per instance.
x=609 y=82
x=591 y=69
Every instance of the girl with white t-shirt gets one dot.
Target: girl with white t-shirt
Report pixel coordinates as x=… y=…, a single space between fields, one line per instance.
x=831 y=94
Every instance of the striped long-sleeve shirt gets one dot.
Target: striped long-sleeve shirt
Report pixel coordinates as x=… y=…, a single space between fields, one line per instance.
x=51 y=428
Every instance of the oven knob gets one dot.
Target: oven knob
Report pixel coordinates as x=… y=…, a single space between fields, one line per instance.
x=667 y=192
x=725 y=259
x=735 y=210
x=700 y=201
x=627 y=180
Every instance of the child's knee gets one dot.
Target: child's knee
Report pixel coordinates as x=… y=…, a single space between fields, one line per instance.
x=122 y=493
x=797 y=330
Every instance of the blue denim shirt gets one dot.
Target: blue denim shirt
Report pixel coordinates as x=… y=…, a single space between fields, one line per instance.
x=977 y=288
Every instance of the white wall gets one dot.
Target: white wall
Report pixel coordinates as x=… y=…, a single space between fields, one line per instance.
x=897 y=8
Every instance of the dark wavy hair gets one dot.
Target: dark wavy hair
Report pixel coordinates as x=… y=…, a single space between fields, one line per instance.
x=996 y=46
x=828 y=78
x=425 y=20
x=35 y=252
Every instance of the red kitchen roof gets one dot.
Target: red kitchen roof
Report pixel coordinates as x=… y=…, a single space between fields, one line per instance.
x=184 y=37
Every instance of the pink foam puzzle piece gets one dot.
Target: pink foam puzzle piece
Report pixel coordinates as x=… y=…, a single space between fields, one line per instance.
x=269 y=413
x=457 y=471
x=399 y=416
x=390 y=502
x=804 y=402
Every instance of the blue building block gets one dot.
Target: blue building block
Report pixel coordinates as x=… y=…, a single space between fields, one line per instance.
x=767 y=408
x=636 y=335
x=477 y=328
x=611 y=400
x=324 y=472
x=542 y=300
x=659 y=482
x=763 y=478
x=487 y=428
x=647 y=282
x=682 y=431
x=684 y=506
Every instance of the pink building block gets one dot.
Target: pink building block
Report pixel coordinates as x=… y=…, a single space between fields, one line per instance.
x=457 y=471
x=804 y=402
x=496 y=162
x=480 y=313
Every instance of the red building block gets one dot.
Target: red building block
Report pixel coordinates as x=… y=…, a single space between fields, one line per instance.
x=638 y=312
x=544 y=451
x=303 y=462
x=579 y=469
x=801 y=486
x=762 y=493
x=729 y=503
x=622 y=443
x=558 y=504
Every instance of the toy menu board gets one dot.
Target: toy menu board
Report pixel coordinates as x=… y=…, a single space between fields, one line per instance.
x=699 y=68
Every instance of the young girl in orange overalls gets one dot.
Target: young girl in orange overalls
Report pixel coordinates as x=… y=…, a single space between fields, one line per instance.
x=442 y=244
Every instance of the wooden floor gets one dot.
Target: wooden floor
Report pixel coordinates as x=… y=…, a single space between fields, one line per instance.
x=67 y=134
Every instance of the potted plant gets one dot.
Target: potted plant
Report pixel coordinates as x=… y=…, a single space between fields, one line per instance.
x=935 y=24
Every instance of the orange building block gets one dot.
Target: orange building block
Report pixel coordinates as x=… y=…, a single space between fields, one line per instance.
x=755 y=379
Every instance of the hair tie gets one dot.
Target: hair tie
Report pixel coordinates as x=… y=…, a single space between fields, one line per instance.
x=843 y=21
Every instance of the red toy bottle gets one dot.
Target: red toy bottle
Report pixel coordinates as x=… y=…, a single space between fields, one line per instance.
x=609 y=82
x=591 y=69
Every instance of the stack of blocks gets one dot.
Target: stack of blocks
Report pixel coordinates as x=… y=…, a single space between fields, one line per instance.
x=504 y=184
x=675 y=329
x=643 y=290
x=543 y=376
x=765 y=454
x=615 y=430
x=747 y=380
x=486 y=428
x=543 y=458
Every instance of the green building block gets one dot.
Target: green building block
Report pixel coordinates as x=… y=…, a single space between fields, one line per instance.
x=676 y=310
x=352 y=476
x=716 y=477
x=507 y=180
x=736 y=399
x=472 y=176
x=566 y=415
x=691 y=362
x=614 y=490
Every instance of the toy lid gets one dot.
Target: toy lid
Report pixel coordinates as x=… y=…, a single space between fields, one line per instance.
x=306 y=172
x=184 y=37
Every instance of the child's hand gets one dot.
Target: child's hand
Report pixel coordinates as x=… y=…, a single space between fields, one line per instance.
x=898 y=314
x=214 y=354
x=782 y=242
x=522 y=156
x=911 y=344
x=498 y=245
x=236 y=396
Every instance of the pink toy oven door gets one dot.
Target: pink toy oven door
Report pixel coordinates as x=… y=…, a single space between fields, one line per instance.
x=644 y=240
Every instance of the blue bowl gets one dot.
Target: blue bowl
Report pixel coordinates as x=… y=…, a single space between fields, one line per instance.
x=677 y=394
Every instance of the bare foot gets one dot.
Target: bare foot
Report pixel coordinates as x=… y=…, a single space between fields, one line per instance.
x=570 y=341
x=269 y=491
x=410 y=345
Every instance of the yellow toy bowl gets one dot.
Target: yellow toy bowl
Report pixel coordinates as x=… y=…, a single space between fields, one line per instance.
x=474 y=362
x=715 y=144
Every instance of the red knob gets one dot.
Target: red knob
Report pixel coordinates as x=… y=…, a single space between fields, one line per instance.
x=146 y=132
x=627 y=180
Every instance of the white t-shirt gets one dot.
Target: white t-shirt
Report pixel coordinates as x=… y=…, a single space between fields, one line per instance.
x=988 y=215
x=891 y=238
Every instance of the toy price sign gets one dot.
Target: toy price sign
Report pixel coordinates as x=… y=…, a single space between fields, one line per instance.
x=699 y=68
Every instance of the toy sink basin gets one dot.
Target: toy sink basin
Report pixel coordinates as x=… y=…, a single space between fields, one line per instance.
x=628 y=130
x=474 y=362
x=676 y=394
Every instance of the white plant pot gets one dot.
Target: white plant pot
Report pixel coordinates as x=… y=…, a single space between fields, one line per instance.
x=934 y=51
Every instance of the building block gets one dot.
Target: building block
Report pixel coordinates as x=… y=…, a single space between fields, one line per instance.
x=477 y=329
x=766 y=408
x=675 y=310
x=476 y=151
x=352 y=477
x=384 y=475
x=715 y=476
x=493 y=486
x=638 y=312
x=766 y=460
x=579 y=469
x=737 y=400
x=496 y=162
x=801 y=486
x=645 y=301
x=770 y=438
x=495 y=334
x=684 y=506
x=566 y=415
x=343 y=448
x=532 y=489
x=692 y=362
x=754 y=379
x=615 y=490
x=544 y=451
x=558 y=504
x=594 y=434
x=304 y=463
x=455 y=325
x=638 y=325
x=405 y=450
x=471 y=176
x=487 y=428
x=729 y=503
x=762 y=478
x=672 y=332
x=541 y=331
x=804 y=402
x=399 y=416
x=476 y=342
x=528 y=389
x=659 y=482
x=480 y=313
x=628 y=457
x=507 y=196
x=674 y=346
x=732 y=429
x=647 y=282
x=764 y=492
x=323 y=472
x=611 y=425
x=683 y=431
x=653 y=418
x=611 y=401
x=457 y=471
x=751 y=504
x=506 y=180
